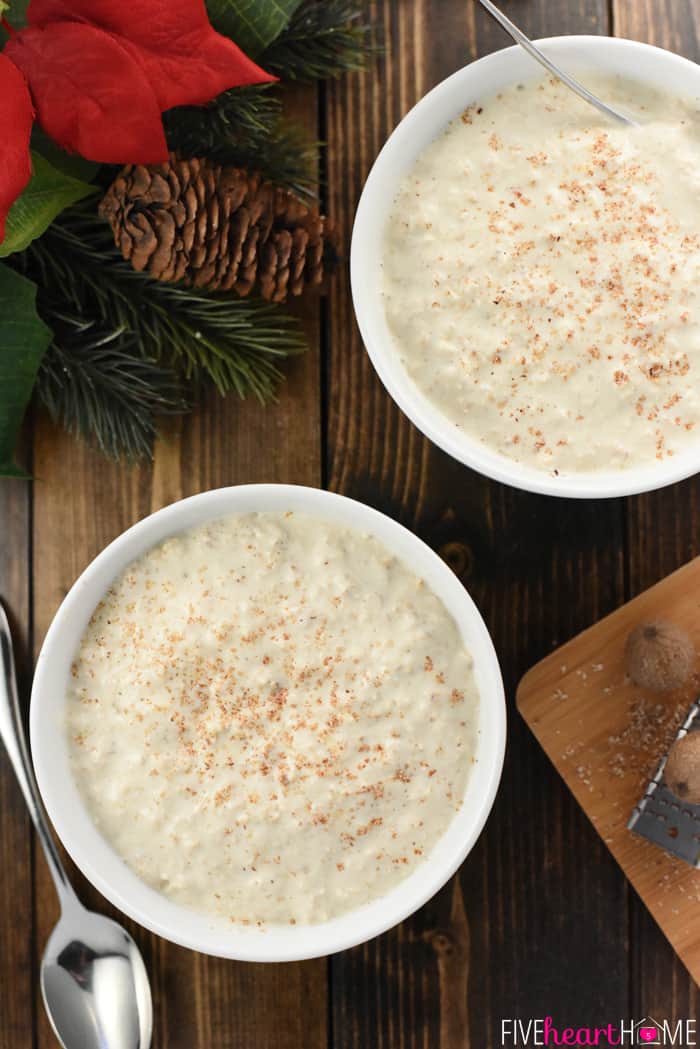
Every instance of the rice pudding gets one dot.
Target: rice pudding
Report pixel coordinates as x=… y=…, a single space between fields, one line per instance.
x=541 y=275
x=272 y=718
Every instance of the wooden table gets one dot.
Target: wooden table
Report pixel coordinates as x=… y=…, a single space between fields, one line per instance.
x=539 y=920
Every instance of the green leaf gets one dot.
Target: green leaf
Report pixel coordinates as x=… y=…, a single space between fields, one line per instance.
x=252 y=24
x=24 y=339
x=69 y=163
x=48 y=193
x=17 y=14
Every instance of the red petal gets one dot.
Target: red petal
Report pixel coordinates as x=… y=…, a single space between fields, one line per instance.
x=16 y=118
x=89 y=93
x=186 y=61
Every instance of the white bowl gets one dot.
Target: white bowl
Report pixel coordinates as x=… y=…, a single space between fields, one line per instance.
x=418 y=128
x=100 y=863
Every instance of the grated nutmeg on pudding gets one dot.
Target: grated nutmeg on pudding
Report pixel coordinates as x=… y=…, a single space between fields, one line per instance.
x=273 y=719
x=541 y=276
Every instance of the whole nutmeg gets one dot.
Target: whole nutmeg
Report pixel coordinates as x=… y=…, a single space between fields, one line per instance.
x=682 y=769
x=659 y=656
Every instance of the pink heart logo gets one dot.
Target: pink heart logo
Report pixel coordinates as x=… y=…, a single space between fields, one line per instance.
x=648 y=1034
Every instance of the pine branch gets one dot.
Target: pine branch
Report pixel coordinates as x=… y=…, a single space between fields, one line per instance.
x=239 y=113
x=324 y=38
x=95 y=384
x=234 y=343
x=244 y=127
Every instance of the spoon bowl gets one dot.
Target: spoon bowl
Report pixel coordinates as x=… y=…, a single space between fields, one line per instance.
x=94 y=984
x=93 y=980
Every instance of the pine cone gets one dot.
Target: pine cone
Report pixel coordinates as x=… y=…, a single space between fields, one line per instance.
x=216 y=227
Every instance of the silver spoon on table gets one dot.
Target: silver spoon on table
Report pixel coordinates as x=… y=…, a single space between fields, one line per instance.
x=93 y=979
x=540 y=57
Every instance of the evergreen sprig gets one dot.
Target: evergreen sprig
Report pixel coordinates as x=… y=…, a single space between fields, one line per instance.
x=125 y=345
x=324 y=39
x=234 y=343
x=244 y=127
x=95 y=384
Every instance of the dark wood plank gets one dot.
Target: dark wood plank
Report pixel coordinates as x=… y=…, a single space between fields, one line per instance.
x=491 y=944
x=81 y=503
x=663 y=533
x=17 y=978
x=198 y=1002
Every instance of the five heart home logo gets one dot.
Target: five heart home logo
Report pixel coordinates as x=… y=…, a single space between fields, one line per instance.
x=521 y=1034
x=648 y=1032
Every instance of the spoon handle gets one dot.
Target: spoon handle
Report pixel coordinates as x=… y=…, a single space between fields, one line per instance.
x=12 y=735
x=539 y=56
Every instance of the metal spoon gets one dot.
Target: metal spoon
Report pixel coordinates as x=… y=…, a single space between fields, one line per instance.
x=93 y=979
x=540 y=57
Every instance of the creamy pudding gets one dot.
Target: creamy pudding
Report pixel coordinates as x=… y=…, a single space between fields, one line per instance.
x=272 y=718
x=541 y=275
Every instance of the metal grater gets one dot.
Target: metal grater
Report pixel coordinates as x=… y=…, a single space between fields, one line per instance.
x=664 y=819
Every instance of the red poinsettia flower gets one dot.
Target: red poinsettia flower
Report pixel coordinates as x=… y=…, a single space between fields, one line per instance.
x=99 y=73
x=16 y=118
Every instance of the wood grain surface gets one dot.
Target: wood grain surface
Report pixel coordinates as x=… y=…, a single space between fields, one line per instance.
x=662 y=533
x=17 y=1009
x=539 y=570
x=605 y=735
x=539 y=921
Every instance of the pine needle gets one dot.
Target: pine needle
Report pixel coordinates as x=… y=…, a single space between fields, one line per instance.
x=234 y=343
x=124 y=343
x=93 y=384
x=245 y=128
x=324 y=39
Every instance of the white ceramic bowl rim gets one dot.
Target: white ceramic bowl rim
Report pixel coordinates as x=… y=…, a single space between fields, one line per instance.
x=477 y=80
x=104 y=868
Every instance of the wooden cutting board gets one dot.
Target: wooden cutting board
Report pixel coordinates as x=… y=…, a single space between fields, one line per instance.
x=606 y=736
